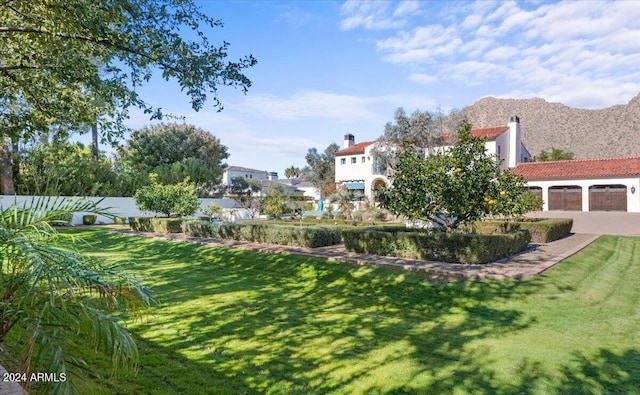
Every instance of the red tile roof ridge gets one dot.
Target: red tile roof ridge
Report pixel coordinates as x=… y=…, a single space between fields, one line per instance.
x=354 y=149
x=581 y=160
x=579 y=168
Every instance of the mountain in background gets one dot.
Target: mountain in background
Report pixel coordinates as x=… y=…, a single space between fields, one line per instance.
x=607 y=133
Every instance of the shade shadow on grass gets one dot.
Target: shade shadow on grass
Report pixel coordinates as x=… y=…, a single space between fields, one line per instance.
x=287 y=324
x=299 y=325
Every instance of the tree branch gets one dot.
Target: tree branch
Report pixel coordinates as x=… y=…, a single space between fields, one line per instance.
x=79 y=37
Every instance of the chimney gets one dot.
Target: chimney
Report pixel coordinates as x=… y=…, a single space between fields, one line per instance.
x=515 y=141
x=349 y=141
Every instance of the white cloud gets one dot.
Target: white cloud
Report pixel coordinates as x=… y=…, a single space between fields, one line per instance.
x=310 y=105
x=548 y=48
x=422 y=78
x=408 y=7
x=376 y=15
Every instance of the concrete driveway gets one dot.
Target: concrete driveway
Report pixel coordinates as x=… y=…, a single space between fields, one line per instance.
x=598 y=222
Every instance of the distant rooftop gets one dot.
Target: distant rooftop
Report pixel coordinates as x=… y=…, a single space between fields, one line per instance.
x=244 y=169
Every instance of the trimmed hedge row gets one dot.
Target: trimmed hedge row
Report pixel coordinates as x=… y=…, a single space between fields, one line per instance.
x=447 y=247
x=303 y=236
x=156 y=225
x=543 y=230
x=312 y=221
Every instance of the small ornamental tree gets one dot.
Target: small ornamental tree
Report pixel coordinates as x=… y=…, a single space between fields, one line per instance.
x=451 y=188
x=345 y=198
x=275 y=202
x=177 y=199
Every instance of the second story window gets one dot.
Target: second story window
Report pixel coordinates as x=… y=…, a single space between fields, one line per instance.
x=363 y=159
x=343 y=161
x=354 y=160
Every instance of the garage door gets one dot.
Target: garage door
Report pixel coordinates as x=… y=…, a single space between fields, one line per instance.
x=536 y=191
x=608 y=198
x=567 y=198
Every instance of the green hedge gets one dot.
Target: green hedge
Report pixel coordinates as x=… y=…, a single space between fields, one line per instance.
x=89 y=219
x=543 y=230
x=307 y=236
x=452 y=247
x=312 y=221
x=156 y=224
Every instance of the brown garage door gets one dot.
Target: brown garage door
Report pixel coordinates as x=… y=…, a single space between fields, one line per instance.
x=567 y=198
x=536 y=191
x=607 y=198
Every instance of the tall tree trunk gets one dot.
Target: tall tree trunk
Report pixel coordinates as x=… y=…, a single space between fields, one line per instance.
x=94 y=141
x=7 y=186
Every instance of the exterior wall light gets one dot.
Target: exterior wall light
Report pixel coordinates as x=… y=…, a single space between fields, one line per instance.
x=633 y=189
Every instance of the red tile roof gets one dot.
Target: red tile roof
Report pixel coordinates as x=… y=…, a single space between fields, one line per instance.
x=355 y=149
x=488 y=133
x=577 y=169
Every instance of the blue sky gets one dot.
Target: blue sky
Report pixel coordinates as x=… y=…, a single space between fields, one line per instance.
x=328 y=68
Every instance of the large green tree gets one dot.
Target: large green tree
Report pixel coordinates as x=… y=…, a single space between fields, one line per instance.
x=320 y=169
x=79 y=63
x=177 y=151
x=423 y=128
x=62 y=168
x=451 y=188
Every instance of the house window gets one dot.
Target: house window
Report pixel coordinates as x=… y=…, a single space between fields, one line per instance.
x=343 y=161
x=354 y=160
x=363 y=159
x=499 y=156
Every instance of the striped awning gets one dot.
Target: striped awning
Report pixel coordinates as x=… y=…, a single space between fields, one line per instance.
x=354 y=185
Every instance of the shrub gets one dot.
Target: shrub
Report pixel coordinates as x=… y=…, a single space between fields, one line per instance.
x=307 y=236
x=62 y=220
x=89 y=219
x=156 y=225
x=543 y=230
x=447 y=247
x=119 y=220
x=177 y=199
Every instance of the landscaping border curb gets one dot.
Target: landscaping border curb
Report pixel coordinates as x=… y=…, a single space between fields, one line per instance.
x=529 y=263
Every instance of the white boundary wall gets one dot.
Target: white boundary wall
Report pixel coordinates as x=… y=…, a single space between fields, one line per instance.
x=119 y=206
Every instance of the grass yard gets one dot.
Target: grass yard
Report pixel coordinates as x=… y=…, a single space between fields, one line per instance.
x=232 y=321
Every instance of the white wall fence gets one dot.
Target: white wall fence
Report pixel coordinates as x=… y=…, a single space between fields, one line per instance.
x=123 y=206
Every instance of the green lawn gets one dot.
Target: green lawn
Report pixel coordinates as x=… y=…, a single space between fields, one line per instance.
x=232 y=321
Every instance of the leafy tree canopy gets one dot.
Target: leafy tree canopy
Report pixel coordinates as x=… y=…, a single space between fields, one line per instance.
x=321 y=168
x=175 y=199
x=292 y=172
x=422 y=128
x=61 y=168
x=79 y=62
x=177 y=151
x=274 y=203
x=451 y=188
x=554 y=154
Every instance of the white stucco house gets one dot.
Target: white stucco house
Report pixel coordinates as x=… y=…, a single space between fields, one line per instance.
x=355 y=164
x=582 y=185
x=232 y=172
x=292 y=187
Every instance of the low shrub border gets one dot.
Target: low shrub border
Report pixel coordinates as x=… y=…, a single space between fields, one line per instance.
x=89 y=219
x=303 y=236
x=543 y=230
x=447 y=247
x=156 y=224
